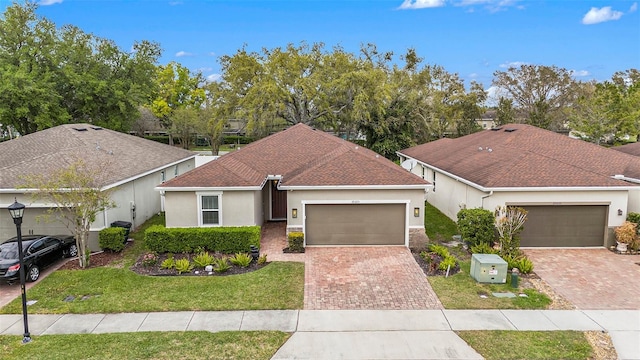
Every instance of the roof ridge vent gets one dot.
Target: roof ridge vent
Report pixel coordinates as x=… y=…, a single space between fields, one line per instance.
x=496 y=128
x=96 y=128
x=510 y=130
x=79 y=129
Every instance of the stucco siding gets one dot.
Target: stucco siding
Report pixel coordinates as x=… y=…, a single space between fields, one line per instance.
x=450 y=195
x=238 y=208
x=181 y=209
x=414 y=197
x=634 y=201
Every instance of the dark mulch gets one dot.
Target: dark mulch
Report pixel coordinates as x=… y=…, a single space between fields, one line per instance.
x=156 y=270
x=289 y=251
x=95 y=260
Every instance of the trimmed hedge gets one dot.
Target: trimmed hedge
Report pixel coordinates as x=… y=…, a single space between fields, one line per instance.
x=296 y=241
x=476 y=226
x=228 y=240
x=112 y=239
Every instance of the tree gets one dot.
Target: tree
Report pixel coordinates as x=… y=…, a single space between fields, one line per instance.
x=471 y=109
x=177 y=88
x=541 y=92
x=54 y=76
x=75 y=197
x=505 y=113
x=594 y=112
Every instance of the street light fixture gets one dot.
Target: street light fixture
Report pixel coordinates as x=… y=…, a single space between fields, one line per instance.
x=17 y=211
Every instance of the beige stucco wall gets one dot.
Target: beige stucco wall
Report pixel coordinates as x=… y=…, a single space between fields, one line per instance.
x=239 y=208
x=634 y=201
x=415 y=198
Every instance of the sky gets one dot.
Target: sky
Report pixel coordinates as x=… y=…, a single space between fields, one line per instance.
x=473 y=38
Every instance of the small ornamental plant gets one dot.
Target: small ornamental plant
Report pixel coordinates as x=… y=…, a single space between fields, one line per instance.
x=149 y=259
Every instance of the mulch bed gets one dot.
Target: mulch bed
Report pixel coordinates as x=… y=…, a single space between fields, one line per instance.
x=95 y=260
x=431 y=268
x=155 y=270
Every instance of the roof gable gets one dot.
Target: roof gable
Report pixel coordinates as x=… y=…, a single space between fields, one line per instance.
x=300 y=156
x=518 y=155
x=122 y=156
x=631 y=149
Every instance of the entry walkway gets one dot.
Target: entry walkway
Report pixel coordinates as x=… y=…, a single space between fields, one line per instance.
x=352 y=334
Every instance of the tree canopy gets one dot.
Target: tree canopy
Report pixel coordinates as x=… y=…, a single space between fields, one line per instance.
x=52 y=76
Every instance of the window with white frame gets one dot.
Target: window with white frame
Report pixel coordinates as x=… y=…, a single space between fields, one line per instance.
x=209 y=205
x=434 y=181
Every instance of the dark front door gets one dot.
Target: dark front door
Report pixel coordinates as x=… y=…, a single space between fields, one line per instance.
x=278 y=202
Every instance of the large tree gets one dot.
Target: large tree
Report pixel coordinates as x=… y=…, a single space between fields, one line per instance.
x=75 y=198
x=51 y=76
x=541 y=92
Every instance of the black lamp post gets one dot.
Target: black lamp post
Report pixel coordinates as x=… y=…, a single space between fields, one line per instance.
x=17 y=210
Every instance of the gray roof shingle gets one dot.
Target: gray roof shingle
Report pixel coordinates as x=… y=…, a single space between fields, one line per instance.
x=120 y=155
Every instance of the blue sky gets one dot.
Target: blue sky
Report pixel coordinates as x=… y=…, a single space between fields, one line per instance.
x=473 y=38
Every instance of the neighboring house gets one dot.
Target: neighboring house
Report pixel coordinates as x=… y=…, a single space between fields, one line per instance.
x=334 y=191
x=576 y=192
x=634 y=196
x=632 y=149
x=132 y=166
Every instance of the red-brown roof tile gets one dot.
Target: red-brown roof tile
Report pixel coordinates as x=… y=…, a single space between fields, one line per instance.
x=527 y=157
x=303 y=157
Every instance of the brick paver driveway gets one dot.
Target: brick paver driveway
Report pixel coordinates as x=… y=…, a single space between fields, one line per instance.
x=355 y=277
x=590 y=278
x=365 y=278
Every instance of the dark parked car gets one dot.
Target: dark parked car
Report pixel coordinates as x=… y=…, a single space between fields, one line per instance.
x=39 y=251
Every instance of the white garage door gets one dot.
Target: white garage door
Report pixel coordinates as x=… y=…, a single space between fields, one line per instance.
x=355 y=224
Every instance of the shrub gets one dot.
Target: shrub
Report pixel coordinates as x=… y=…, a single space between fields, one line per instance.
x=112 y=239
x=296 y=241
x=439 y=249
x=228 y=240
x=523 y=264
x=241 y=259
x=168 y=263
x=483 y=248
x=203 y=259
x=447 y=262
x=221 y=265
x=262 y=259
x=149 y=259
x=626 y=233
x=476 y=226
x=634 y=217
x=183 y=266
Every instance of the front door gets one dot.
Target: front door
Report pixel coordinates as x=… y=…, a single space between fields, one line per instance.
x=278 y=202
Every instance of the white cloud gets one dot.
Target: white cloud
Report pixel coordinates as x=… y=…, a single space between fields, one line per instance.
x=49 y=2
x=595 y=15
x=213 y=77
x=491 y=5
x=580 y=73
x=473 y=75
x=633 y=7
x=421 y=4
x=205 y=69
x=211 y=53
x=183 y=53
x=512 y=64
x=173 y=3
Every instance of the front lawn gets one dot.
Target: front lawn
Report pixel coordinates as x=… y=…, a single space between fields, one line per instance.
x=461 y=291
x=147 y=345
x=279 y=285
x=529 y=345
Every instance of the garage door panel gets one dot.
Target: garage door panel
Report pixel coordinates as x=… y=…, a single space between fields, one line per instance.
x=355 y=224
x=564 y=226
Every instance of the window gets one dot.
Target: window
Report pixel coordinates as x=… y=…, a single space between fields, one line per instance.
x=210 y=209
x=434 y=181
x=163 y=177
x=175 y=171
x=423 y=171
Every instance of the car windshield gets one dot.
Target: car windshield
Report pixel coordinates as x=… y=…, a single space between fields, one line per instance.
x=9 y=251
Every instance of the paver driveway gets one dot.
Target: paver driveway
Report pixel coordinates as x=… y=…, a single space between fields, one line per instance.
x=365 y=278
x=590 y=278
x=344 y=278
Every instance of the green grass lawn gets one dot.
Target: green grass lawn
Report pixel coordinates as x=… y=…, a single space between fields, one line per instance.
x=529 y=345
x=437 y=225
x=147 y=345
x=134 y=250
x=279 y=285
x=461 y=291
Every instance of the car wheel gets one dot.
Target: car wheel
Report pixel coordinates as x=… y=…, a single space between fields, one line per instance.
x=34 y=273
x=73 y=251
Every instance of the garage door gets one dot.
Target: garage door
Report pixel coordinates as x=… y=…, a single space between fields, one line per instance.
x=32 y=223
x=359 y=224
x=565 y=226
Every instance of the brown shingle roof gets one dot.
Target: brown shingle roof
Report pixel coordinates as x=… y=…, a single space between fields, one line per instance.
x=303 y=156
x=632 y=149
x=121 y=156
x=527 y=157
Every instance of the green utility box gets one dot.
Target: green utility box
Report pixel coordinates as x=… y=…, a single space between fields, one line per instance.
x=488 y=268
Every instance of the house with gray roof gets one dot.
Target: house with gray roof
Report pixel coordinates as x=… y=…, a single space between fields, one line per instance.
x=336 y=192
x=130 y=166
x=575 y=192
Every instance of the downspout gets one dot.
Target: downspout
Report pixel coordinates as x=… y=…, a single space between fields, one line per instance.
x=484 y=197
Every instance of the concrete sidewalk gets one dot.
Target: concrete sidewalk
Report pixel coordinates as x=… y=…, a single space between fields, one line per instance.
x=352 y=334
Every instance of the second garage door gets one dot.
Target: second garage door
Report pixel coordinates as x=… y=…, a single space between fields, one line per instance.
x=564 y=226
x=355 y=224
